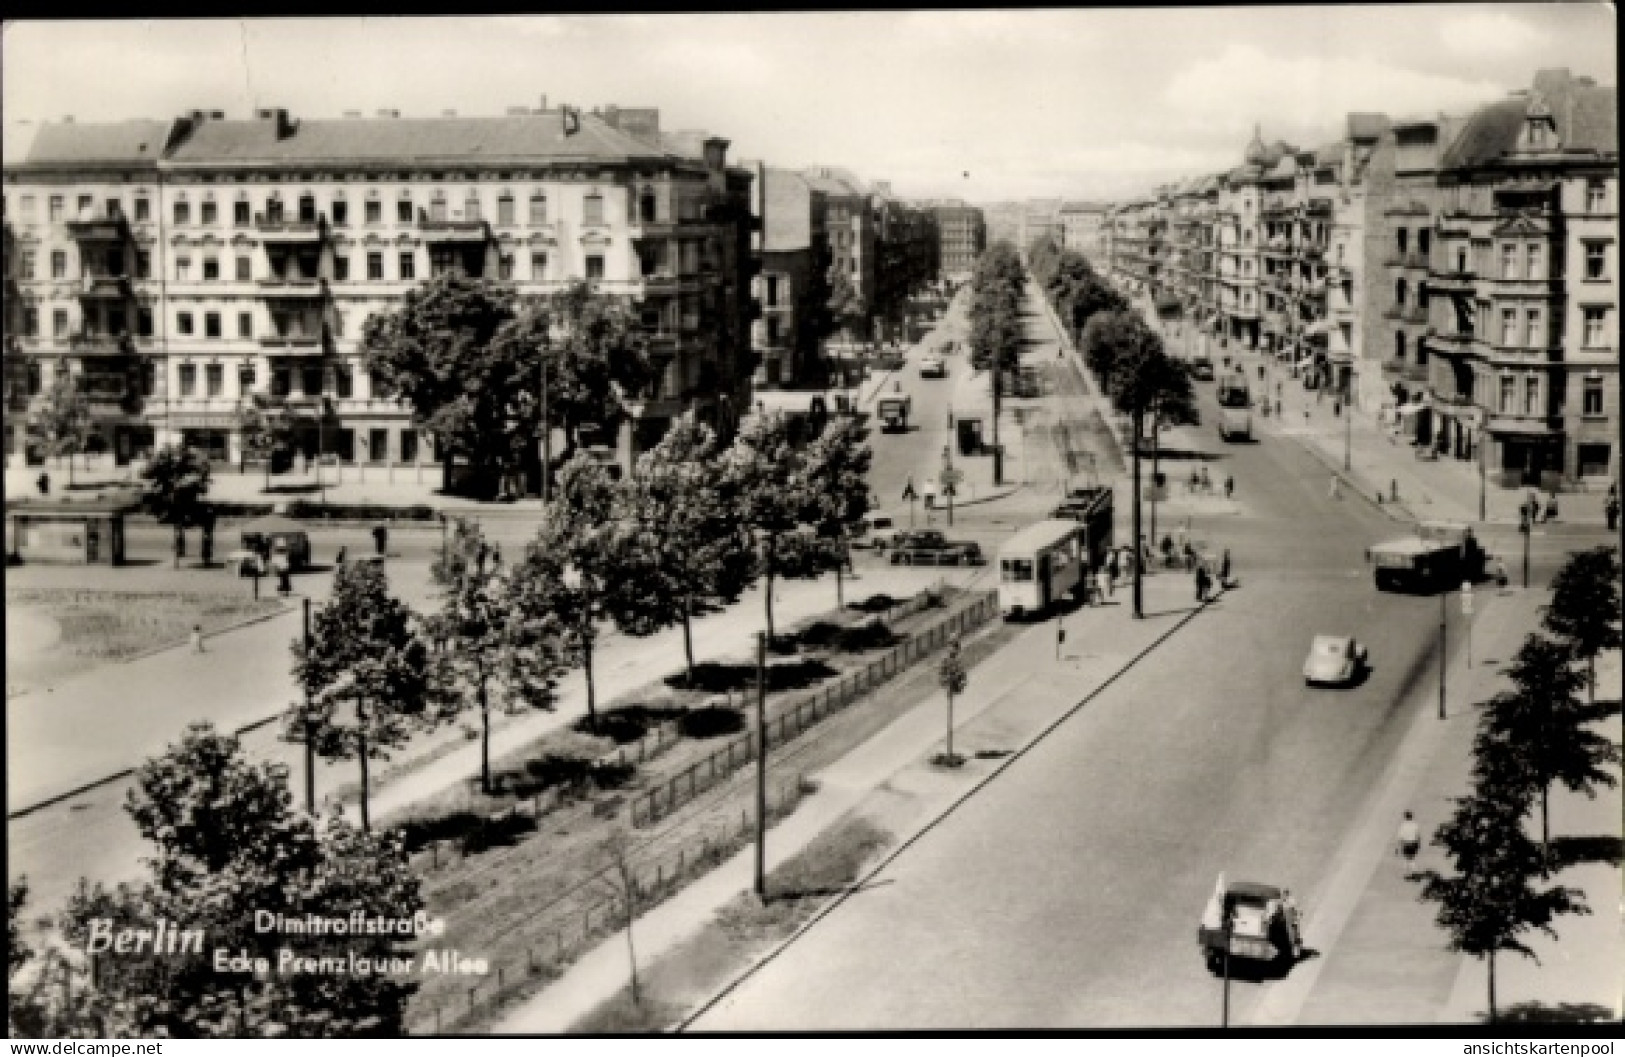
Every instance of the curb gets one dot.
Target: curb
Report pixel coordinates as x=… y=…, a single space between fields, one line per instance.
x=863 y=881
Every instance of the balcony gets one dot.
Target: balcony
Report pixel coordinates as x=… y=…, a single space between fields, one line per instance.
x=99 y=229
x=1523 y=425
x=1393 y=370
x=1453 y=281
x=283 y=230
x=445 y=232
x=105 y=287
x=300 y=344
x=102 y=344
x=1415 y=372
x=292 y=288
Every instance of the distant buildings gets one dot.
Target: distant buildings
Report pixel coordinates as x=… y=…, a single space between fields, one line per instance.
x=1082 y=229
x=962 y=232
x=1462 y=272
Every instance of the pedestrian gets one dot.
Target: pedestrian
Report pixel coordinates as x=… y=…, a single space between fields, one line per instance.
x=1167 y=548
x=1335 y=491
x=1277 y=407
x=1207 y=482
x=1202 y=583
x=197 y=638
x=1103 y=584
x=1229 y=486
x=1409 y=840
x=44 y=483
x=1224 y=569
x=1500 y=573
x=1610 y=510
x=1060 y=635
x=1145 y=556
x=380 y=538
x=1551 y=508
x=1189 y=554
x=1113 y=563
x=1182 y=536
x=339 y=560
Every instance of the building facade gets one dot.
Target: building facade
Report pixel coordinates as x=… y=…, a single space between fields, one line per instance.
x=793 y=288
x=239 y=261
x=962 y=231
x=1081 y=229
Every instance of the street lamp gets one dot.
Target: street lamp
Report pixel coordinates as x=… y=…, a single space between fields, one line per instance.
x=1443 y=595
x=1483 y=468
x=1348 y=424
x=1524 y=514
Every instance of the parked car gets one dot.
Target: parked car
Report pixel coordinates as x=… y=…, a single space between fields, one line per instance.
x=933 y=367
x=1202 y=369
x=875 y=530
x=1334 y=660
x=931 y=547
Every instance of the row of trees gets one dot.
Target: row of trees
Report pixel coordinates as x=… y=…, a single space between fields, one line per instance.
x=996 y=335
x=1530 y=737
x=1075 y=290
x=690 y=528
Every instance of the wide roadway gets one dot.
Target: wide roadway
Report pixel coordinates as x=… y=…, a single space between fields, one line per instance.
x=1066 y=893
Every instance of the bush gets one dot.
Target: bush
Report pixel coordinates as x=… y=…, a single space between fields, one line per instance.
x=419 y=833
x=783 y=645
x=304 y=508
x=497 y=832
x=571 y=773
x=874 y=604
x=628 y=723
x=713 y=721
x=820 y=633
x=872 y=635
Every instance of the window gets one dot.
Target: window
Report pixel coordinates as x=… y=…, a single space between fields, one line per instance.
x=409 y=445
x=1509 y=261
x=59 y=323
x=375 y=266
x=211 y=268
x=1532 y=322
x=471 y=208
x=307 y=209
x=25 y=264
x=211 y=324
x=341 y=212
x=208 y=213
x=505 y=210
x=214 y=379
x=1596 y=320
x=403 y=211
x=594 y=209
x=115 y=209
x=245 y=269
x=188 y=380
x=595 y=266
x=1399 y=292
x=183 y=267
x=281 y=381
x=240 y=214
x=773 y=290
x=343 y=381
x=341 y=269
x=59 y=264
x=1591 y=398
x=408 y=266
x=86 y=204
x=183 y=323
x=1507 y=393
x=245 y=324
x=1531 y=395
x=538 y=208
x=1422 y=243
x=1596 y=196
x=1596 y=260
x=273 y=210
x=183 y=213
x=310 y=379
x=505 y=268
x=55 y=209
x=437 y=210
x=1509 y=327
x=1402 y=240
x=31 y=322
x=143 y=322
x=374 y=212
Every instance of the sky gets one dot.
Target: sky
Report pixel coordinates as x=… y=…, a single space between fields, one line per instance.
x=980 y=105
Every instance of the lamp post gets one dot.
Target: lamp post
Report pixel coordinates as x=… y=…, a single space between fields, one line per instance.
x=761 y=766
x=1524 y=514
x=1483 y=469
x=1442 y=649
x=1348 y=424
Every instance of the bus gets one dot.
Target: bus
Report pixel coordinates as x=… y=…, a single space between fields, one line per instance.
x=1038 y=565
x=1235 y=409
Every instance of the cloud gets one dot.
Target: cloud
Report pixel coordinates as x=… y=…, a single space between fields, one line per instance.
x=1489 y=34
x=1310 y=95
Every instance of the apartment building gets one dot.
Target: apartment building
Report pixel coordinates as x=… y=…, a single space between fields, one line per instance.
x=962 y=231
x=238 y=261
x=1081 y=229
x=793 y=288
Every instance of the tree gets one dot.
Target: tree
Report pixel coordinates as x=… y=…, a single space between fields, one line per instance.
x=1491 y=899
x=1540 y=720
x=685 y=548
x=485 y=642
x=41 y=1001
x=229 y=848
x=367 y=678
x=264 y=434
x=571 y=567
x=1584 y=612
x=836 y=467
x=177 y=480
x=951 y=676
x=622 y=879
x=846 y=305
x=765 y=484
x=62 y=424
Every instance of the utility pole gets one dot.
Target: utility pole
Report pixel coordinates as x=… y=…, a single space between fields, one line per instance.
x=1139 y=551
x=761 y=766
x=1442 y=649
x=1483 y=472
x=1348 y=428
x=1526 y=529
x=310 y=730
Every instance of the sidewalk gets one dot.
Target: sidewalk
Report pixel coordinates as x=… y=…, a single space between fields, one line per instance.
x=1382 y=958
x=1012 y=697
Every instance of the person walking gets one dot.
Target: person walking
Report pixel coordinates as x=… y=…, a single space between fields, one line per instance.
x=1189 y=554
x=44 y=483
x=1610 y=510
x=380 y=539
x=1203 y=582
x=1113 y=563
x=197 y=638
x=1103 y=584
x=1409 y=839
x=1224 y=569
x=339 y=560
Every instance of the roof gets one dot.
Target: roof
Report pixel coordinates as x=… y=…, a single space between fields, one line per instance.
x=1586 y=119
x=1367 y=126
x=128 y=143
x=1253 y=890
x=1083 y=207
x=520 y=138
x=1040 y=534
x=834 y=181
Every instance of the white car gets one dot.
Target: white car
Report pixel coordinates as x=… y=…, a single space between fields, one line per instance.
x=1334 y=660
x=933 y=367
x=878 y=531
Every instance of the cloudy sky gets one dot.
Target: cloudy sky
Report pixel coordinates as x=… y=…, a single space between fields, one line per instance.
x=980 y=105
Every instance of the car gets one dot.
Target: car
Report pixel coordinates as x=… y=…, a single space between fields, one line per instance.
x=1334 y=660
x=878 y=531
x=1202 y=369
x=933 y=367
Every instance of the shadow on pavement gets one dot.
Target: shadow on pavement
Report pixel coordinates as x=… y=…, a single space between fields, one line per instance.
x=1571 y=851
x=1560 y=1013
x=1599 y=710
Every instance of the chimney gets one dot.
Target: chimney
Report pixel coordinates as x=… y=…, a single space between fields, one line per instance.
x=611 y=115
x=1585 y=82
x=278 y=117
x=716 y=153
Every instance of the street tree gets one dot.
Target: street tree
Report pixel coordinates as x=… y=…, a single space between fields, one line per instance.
x=571 y=566
x=177 y=480
x=367 y=679
x=953 y=679
x=836 y=466
x=1584 y=611
x=265 y=432
x=1491 y=898
x=620 y=876
x=62 y=425
x=485 y=643
x=684 y=548
x=1541 y=720
x=228 y=847
x=40 y=1000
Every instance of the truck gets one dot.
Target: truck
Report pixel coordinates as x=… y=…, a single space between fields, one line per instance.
x=1440 y=555
x=1092 y=508
x=893 y=413
x=931 y=547
x=1235 y=409
x=1263 y=926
